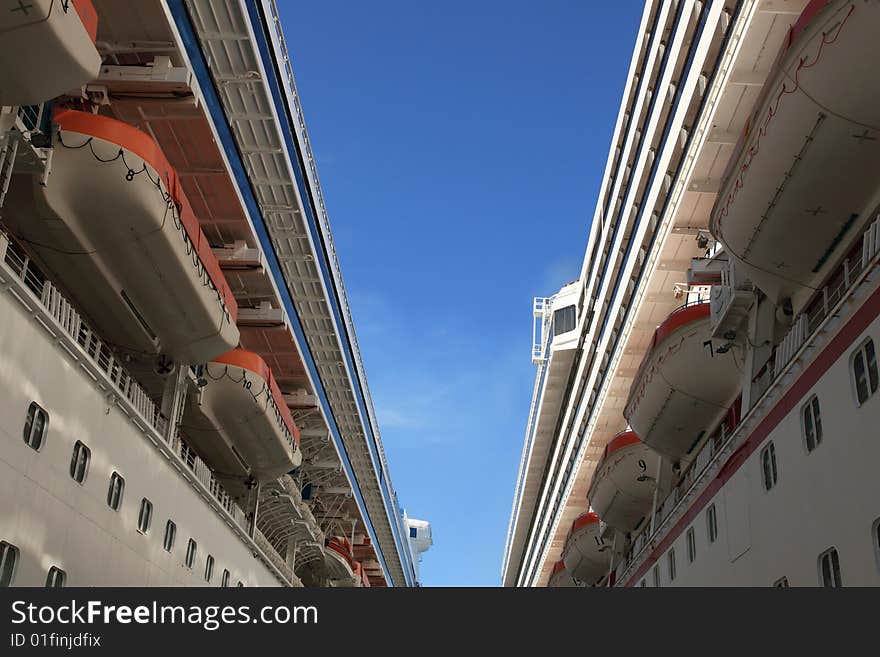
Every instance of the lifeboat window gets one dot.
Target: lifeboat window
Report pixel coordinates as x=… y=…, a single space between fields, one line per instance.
x=209 y=568
x=55 y=578
x=35 y=426
x=79 y=462
x=812 y=423
x=170 y=535
x=191 y=548
x=671 y=558
x=829 y=569
x=691 y=545
x=768 y=466
x=712 y=523
x=564 y=320
x=781 y=583
x=8 y=561
x=145 y=516
x=224 y=581
x=656 y=577
x=864 y=367
x=115 y=491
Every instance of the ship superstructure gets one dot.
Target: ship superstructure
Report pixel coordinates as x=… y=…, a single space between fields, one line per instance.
x=708 y=423
x=186 y=402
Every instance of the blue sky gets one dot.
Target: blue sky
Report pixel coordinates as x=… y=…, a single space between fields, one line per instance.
x=460 y=147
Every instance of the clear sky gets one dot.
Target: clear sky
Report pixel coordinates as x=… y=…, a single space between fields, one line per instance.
x=460 y=147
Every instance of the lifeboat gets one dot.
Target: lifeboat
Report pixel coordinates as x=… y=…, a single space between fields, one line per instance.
x=340 y=563
x=239 y=423
x=59 y=39
x=683 y=386
x=587 y=556
x=803 y=179
x=363 y=581
x=560 y=578
x=622 y=488
x=114 y=226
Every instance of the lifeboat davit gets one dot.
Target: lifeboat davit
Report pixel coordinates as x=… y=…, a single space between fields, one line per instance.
x=587 y=556
x=340 y=562
x=622 y=488
x=47 y=48
x=683 y=386
x=239 y=423
x=115 y=228
x=804 y=178
x=560 y=578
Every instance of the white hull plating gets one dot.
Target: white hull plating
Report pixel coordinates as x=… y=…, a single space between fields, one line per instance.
x=808 y=164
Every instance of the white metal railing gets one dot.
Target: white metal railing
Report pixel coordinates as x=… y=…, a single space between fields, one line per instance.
x=93 y=349
x=540 y=334
x=805 y=327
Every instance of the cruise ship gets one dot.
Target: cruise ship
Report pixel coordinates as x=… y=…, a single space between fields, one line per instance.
x=184 y=401
x=706 y=403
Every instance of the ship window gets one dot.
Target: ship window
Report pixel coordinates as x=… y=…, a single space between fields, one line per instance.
x=170 y=535
x=209 y=568
x=79 y=462
x=145 y=516
x=712 y=523
x=812 y=423
x=224 y=581
x=115 y=491
x=657 y=577
x=864 y=366
x=691 y=545
x=8 y=561
x=671 y=558
x=35 y=426
x=829 y=569
x=190 y=553
x=781 y=583
x=55 y=578
x=413 y=532
x=768 y=466
x=563 y=320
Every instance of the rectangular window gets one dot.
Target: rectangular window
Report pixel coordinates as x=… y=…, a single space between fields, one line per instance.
x=145 y=516
x=55 y=578
x=35 y=425
x=657 y=577
x=115 y=491
x=671 y=558
x=224 y=581
x=691 y=545
x=768 y=466
x=170 y=535
x=79 y=462
x=190 y=553
x=712 y=523
x=209 y=568
x=564 y=320
x=864 y=367
x=8 y=561
x=812 y=422
x=781 y=583
x=413 y=532
x=829 y=569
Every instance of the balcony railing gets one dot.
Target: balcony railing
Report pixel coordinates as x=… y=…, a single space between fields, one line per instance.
x=862 y=257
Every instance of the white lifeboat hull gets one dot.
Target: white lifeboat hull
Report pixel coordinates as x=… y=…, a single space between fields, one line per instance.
x=235 y=423
x=145 y=276
x=683 y=387
x=586 y=555
x=808 y=164
x=623 y=485
x=339 y=570
x=60 y=46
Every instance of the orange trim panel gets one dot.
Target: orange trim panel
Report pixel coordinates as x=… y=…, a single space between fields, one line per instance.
x=89 y=17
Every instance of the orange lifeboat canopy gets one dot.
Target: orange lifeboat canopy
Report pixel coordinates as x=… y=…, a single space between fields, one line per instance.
x=47 y=48
x=683 y=386
x=623 y=483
